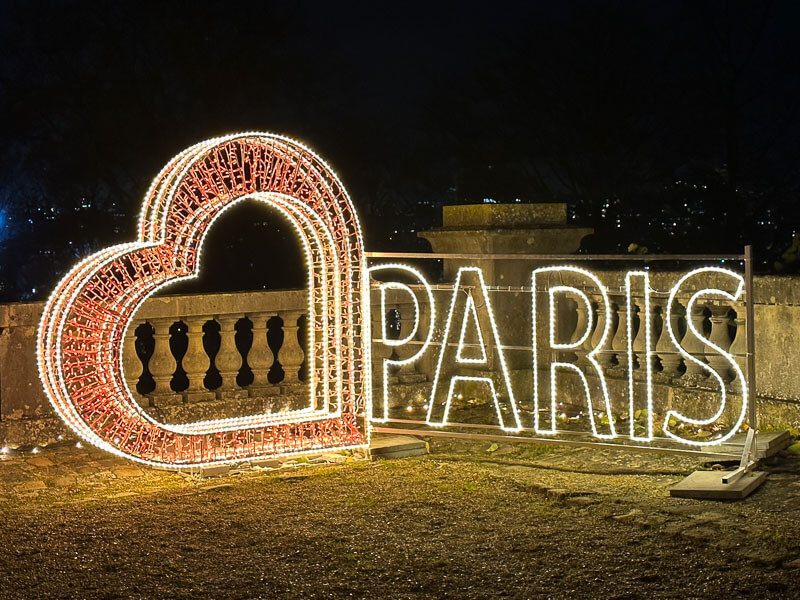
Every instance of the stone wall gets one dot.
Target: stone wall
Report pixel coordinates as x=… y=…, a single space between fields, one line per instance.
x=254 y=382
x=213 y=355
x=187 y=358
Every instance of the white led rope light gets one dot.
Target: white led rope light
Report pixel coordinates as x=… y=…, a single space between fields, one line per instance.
x=470 y=313
x=401 y=287
x=553 y=371
x=387 y=363
x=687 y=356
x=457 y=289
x=644 y=321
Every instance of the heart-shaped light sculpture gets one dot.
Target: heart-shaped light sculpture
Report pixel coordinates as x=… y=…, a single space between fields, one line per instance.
x=85 y=319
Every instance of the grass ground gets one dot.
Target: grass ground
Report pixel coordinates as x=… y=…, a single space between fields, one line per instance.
x=460 y=523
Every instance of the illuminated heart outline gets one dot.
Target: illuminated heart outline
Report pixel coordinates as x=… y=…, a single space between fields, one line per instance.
x=85 y=319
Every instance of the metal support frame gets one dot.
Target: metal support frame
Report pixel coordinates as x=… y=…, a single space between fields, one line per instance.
x=594 y=257
x=749 y=452
x=748 y=459
x=575 y=439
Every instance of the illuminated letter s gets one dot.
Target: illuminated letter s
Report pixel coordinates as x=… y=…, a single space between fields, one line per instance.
x=737 y=282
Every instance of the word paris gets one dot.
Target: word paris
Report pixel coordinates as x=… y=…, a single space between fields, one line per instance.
x=80 y=340
x=470 y=309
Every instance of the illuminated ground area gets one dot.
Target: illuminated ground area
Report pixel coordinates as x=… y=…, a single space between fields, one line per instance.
x=509 y=523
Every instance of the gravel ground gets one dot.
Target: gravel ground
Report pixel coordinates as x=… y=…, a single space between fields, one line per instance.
x=461 y=523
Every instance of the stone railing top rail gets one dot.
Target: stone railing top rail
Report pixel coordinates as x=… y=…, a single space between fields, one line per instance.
x=769 y=289
x=220 y=304
x=21 y=314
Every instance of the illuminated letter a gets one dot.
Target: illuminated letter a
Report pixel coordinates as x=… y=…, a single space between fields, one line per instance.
x=471 y=303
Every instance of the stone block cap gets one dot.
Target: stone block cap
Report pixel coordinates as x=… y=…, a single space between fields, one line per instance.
x=504 y=216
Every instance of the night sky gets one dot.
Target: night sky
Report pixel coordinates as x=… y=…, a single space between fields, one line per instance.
x=674 y=126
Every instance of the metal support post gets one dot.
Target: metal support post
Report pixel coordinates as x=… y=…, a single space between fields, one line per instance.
x=749 y=454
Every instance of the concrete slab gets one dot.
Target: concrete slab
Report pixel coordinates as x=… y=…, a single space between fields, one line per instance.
x=767 y=445
x=215 y=471
x=707 y=485
x=396 y=446
x=770 y=444
x=267 y=463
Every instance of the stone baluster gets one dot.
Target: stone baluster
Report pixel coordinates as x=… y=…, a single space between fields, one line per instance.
x=291 y=355
x=604 y=356
x=260 y=358
x=228 y=360
x=739 y=346
x=408 y=372
x=196 y=362
x=580 y=328
x=720 y=336
x=640 y=340
x=132 y=364
x=666 y=351
x=694 y=346
x=163 y=364
x=619 y=343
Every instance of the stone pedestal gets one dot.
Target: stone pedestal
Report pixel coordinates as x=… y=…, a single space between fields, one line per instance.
x=387 y=447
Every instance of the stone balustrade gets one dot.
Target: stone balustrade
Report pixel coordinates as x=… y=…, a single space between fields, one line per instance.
x=720 y=322
x=185 y=358
x=205 y=356
x=196 y=357
x=214 y=355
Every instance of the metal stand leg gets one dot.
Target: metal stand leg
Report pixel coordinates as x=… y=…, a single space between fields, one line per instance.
x=749 y=455
x=749 y=458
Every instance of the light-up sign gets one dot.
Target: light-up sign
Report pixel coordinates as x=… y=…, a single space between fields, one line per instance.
x=86 y=317
x=84 y=321
x=470 y=291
